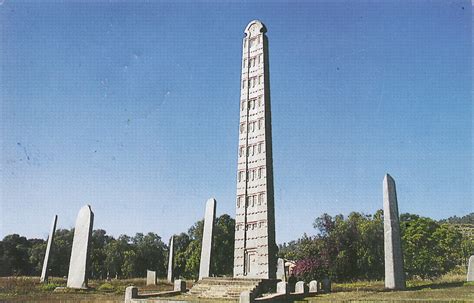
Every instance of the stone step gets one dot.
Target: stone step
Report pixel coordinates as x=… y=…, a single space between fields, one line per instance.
x=223 y=287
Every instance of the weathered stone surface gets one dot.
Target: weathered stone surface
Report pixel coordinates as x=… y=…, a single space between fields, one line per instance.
x=313 y=286
x=131 y=292
x=246 y=297
x=280 y=272
x=207 y=236
x=150 y=277
x=255 y=248
x=78 y=275
x=301 y=287
x=171 y=260
x=470 y=269
x=283 y=288
x=44 y=272
x=179 y=285
x=394 y=273
x=326 y=285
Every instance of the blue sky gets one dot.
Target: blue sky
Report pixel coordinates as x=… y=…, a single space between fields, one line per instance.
x=133 y=108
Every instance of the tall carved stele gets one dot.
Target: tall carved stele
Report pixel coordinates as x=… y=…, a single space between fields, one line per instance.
x=255 y=248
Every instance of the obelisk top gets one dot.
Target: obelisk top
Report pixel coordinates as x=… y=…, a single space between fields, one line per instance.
x=254 y=28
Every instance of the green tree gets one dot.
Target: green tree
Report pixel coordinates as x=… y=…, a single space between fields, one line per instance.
x=14 y=256
x=61 y=252
x=36 y=254
x=430 y=249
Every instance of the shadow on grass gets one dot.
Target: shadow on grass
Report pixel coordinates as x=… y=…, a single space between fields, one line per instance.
x=436 y=285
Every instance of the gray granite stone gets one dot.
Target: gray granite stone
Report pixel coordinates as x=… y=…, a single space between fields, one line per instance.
x=150 y=277
x=131 y=292
x=171 y=260
x=246 y=297
x=283 y=288
x=280 y=272
x=326 y=285
x=44 y=271
x=78 y=275
x=301 y=287
x=394 y=273
x=207 y=238
x=470 y=269
x=179 y=285
x=313 y=286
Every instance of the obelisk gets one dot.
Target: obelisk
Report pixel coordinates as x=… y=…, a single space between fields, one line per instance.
x=44 y=272
x=207 y=237
x=470 y=269
x=255 y=248
x=171 y=260
x=78 y=273
x=394 y=273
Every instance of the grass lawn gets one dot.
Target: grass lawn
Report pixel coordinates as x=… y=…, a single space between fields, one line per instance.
x=446 y=289
x=29 y=289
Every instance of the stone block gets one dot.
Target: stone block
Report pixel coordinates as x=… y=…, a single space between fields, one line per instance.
x=283 y=288
x=131 y=292
x=326 y=285
x=207 y=236
x=246 y=297
x=301 y=288
x=470 y=269
x=179 y=285
x=313 y=286
x=78 y=275
x=150 y=277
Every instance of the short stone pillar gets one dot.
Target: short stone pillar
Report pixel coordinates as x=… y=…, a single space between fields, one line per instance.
x=280 y=272
x=313 y=286
x=150 y=277
x=326 y=285
x=246 y=297
x=301 y=287
x=131 y=292
x=470 y=269
x=179 y=285
x=283 y=288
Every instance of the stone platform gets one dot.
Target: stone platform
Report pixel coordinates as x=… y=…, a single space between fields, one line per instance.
x=230 y=288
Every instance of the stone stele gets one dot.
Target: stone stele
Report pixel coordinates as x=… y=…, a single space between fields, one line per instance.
x=150 y=277
x=280 y=272
x=44 y=272
x=207 y=236
x=171 y=260
x=78 y=275
x=470 y=269
x=394 y=274
x=255 y=247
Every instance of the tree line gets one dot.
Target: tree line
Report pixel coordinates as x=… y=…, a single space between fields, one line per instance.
x=352 y=248
x=122 y=257
x=343 y=248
